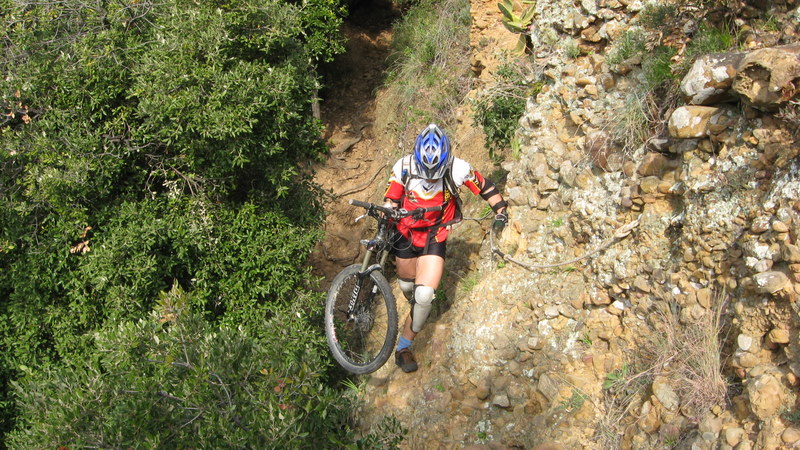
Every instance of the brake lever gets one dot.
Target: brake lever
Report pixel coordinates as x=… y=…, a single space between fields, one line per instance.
x=361 y=217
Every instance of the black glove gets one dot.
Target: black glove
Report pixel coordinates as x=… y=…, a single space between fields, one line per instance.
x=500 y=222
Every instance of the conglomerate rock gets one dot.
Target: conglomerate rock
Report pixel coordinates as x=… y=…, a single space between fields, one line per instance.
x=686 y=330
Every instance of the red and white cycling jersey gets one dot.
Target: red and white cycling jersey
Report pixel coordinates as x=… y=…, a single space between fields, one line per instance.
x=421 y=193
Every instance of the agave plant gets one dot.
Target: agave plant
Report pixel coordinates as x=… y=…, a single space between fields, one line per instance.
x=518 y=24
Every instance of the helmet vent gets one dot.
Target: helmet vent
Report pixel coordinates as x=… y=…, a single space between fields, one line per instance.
x=432 y=154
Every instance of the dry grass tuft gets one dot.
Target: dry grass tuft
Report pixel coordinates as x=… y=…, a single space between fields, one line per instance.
x=692 y=359
x=687 y=352
x=430 y=73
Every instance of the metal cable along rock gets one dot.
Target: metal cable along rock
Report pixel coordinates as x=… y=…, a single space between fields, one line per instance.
x=620 y=233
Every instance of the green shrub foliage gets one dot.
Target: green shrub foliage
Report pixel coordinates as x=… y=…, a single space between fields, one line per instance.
x=144 y=144
x=172 y=380
x=498 y=112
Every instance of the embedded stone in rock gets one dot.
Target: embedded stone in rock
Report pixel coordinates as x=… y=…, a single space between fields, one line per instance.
x=649 y=185
x=760 y=225
x=517 y=197
x=591 y=34
x=763 y=265
x=501 y=401
x=540 y=171
x=616 y=308
x=710 y=426
x=590 y=6
x=649 y=421
x=547 y=184
x=791 y=253
x=779 y=227
x=483 y=390
x=733 y=436
x=642 y=284
x=696 y=121
x=710 y=79
x=601 y=297
x=653 y=164
x=770 y=282
x=704 y=298
x=790 y=435
x=778 y=336
x=567 y=172
x=666 y=394
x=747 y=359
x=766 y=77
x=536 y=343
x=551 y=312
x=548 y=387
x=766 y=396
x=745 y=342
x=607 y=81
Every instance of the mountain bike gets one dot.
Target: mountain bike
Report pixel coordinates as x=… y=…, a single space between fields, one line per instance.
x=360 y=310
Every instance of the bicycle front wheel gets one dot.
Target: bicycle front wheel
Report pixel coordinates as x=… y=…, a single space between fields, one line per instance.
x=360 y=320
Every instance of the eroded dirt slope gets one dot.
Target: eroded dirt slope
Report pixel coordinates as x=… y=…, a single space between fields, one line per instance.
x=356 y=164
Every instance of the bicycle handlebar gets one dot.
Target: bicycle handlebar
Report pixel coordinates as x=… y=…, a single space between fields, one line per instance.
x=394 y=213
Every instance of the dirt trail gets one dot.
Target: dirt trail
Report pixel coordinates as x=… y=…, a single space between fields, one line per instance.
x=356 y=164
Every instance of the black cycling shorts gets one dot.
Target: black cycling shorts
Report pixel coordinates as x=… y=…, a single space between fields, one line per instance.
x=402 y=248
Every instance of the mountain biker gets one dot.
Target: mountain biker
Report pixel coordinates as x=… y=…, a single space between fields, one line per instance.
x=428 y=177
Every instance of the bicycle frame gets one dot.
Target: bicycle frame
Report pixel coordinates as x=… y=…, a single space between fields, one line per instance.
x=349 y=314
x=380 y=245
x=382 y=242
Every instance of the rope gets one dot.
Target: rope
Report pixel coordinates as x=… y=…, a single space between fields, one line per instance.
x=621 y=233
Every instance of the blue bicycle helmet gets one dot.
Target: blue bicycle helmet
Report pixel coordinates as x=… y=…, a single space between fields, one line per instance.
x=432 y=153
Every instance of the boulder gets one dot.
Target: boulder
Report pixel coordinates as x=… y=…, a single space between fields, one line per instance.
x=666 y=394
x=710 y=79
x=766 y=77
x=653 y=164
x=766 y=396
x=548 y=386
x=770 y=282
x=790 y=435
x=649 y=421
x=696 y=121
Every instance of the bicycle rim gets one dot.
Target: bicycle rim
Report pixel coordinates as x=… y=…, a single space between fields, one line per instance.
x=360 y=320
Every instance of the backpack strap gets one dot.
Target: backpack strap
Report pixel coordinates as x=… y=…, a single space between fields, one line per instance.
x=449 y=185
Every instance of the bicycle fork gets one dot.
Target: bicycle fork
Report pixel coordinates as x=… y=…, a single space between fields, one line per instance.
x=366 y=270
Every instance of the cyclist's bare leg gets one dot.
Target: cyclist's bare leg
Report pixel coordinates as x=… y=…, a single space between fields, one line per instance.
x=406 y=267
x=427 y=270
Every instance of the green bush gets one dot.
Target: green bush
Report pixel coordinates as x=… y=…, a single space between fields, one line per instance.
x=656 y=16
x=707 y=39
x=498 y=111
x=173 y=380
x=657 y=67
x=630 y=44
x=146 y=143
x=632 y=125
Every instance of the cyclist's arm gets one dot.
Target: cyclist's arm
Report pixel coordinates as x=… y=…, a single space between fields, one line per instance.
x=490 y=193
x=464 y=174
x=395 y=188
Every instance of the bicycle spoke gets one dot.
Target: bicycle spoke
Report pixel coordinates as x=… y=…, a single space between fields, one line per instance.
x=361 y=320
x=362 y=334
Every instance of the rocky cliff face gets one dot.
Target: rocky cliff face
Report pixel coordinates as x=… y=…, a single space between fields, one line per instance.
x=683 y=332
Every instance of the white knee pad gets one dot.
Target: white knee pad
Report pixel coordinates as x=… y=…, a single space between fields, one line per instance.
x=407 y=286
x=423 y=302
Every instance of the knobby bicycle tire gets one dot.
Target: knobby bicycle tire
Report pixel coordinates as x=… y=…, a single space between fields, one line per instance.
x=360 y=340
